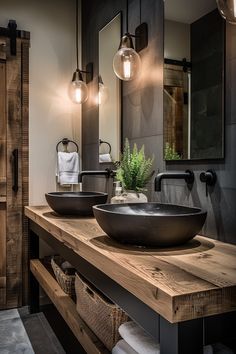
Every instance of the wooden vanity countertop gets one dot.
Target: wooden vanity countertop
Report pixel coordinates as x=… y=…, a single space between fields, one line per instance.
x=195 y=280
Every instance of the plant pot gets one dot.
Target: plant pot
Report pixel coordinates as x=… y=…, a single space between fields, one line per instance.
x=132 y=196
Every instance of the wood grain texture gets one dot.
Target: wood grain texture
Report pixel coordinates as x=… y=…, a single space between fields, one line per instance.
x=190 y=281
x=14 y=200
x=67 y=309
x=13 y=135
x=25 y=164
x=3 y=179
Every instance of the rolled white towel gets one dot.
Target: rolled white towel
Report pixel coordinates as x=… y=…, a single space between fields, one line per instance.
x=123 y=348
x=138 y=339
x=105 y=158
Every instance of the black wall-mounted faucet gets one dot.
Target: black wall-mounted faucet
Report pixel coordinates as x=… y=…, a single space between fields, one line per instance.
x=107 y=172
x=188 y=176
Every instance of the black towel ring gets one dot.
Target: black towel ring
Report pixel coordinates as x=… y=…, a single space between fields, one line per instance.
x=66 y=141
x=105 y=142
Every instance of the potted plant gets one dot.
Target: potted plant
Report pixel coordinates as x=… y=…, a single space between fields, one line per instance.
x=134 y=172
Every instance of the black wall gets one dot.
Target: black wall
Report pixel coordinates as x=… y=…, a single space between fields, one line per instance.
x=143 y=117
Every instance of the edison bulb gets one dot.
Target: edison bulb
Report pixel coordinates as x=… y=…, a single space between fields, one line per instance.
x=78 y=90
x=127 y=64
x=227 y=9
x=103 y=93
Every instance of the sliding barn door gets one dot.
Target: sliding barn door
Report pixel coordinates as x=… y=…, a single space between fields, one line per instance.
x=3 y=177
x=13 y=170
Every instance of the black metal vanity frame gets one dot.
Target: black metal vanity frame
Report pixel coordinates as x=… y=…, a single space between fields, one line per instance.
x=174 y=338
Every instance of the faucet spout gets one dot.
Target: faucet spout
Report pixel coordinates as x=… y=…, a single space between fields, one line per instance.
x=107 y=172
x=188 y=176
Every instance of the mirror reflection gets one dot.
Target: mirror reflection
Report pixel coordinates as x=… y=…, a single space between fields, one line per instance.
x=193 y=80
x=109 y=93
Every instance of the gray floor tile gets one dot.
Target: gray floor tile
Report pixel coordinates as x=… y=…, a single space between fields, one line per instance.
x=13 y=337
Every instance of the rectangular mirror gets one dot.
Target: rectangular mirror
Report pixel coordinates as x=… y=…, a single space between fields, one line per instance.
x=194 y=49
x=109 y=93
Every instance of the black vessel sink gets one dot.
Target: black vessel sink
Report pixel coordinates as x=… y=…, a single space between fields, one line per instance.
x=75 y=203
x=150 y=224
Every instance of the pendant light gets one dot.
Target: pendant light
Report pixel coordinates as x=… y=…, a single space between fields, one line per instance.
x=102 y=91
x=127 y=62
x=227 y=9
x=78 y=90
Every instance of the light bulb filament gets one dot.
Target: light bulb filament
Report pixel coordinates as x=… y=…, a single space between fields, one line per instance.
x=78 y=96
x=99 y=97
x=127 y=67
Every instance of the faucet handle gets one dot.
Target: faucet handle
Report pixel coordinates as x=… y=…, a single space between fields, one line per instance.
x=209 y=177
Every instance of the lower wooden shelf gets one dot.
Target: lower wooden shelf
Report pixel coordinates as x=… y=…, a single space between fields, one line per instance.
x=67 y=309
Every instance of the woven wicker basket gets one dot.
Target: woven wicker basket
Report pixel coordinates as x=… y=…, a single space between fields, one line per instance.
x=100 y=314
x=66 y=282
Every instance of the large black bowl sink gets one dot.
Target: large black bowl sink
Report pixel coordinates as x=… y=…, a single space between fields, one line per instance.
x=75 y=203
x=150 y=224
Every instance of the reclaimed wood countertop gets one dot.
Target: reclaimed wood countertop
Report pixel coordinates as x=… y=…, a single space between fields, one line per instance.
x=182 y=283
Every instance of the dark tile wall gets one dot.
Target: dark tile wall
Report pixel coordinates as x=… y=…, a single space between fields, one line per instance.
x=207 y=85
x=143 y=117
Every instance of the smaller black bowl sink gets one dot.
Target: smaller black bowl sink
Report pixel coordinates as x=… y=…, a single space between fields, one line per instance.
x=75 y=203
x=150 y=224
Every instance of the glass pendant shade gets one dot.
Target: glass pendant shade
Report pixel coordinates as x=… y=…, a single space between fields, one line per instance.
x=126 y=62
x=103 y=92
x=78 y=90
x=227 y=9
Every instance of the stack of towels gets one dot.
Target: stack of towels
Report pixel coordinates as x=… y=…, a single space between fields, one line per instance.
x=67 y=167
x=136 y=341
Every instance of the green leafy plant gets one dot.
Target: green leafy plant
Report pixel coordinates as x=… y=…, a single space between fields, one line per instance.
x=170 y=153
x=134 y=170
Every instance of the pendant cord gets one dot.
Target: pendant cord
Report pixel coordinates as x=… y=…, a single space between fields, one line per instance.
x=140 y=10
x=77 y=35
x=127 y=16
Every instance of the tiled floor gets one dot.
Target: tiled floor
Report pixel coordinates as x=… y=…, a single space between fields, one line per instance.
x=29 y=334
x=13 y=337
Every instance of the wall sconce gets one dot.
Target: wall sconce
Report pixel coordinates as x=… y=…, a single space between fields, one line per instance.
x=127 y=62
x=227 y=9
x=78 y=90
x=103 y=93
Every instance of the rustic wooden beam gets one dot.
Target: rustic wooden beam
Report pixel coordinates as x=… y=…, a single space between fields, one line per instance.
x=67 y=309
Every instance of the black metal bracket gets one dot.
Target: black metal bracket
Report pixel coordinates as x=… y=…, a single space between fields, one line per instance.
x=12 y=26
x=15 y=166
x=141 y=37
x=184 y=63
x=89 y=72
x=12 y=33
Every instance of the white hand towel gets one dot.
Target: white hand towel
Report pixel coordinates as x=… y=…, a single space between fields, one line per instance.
x=105 y=158
x=123 y=348
x=138 y=339
x=68 y=167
